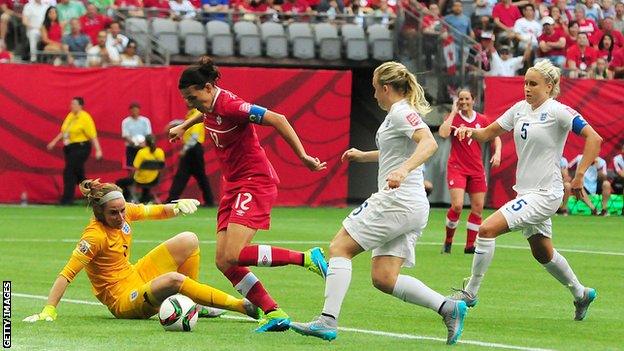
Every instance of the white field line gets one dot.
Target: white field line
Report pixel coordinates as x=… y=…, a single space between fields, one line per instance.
x=355 y=330
x=317 y=242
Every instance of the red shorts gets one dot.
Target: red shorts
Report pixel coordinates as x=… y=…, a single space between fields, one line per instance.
x=472 y=183
x=246 y=203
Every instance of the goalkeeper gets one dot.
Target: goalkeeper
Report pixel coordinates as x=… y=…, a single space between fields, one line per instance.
x=136 y=291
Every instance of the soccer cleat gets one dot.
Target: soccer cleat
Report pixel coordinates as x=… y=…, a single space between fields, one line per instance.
x=582 y=305
x=322 y=327
x=314 y=260
x=252 y=310
x=209 y=312
x=274 y=321
x=469 y=250
x=446 y=249
x=453 y=314
x=463 y=295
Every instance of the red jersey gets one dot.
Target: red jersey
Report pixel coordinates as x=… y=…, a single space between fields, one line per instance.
x=465 y=155
x=299 y=6
x=553 y=38
x=588 y=57
x=92 y=26
x=507 y=15
x=236 y=143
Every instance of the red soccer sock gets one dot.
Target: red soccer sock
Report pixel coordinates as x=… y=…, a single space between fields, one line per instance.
x=268 y=256
x=474 y=222
x=452 y=218
x=249 y=286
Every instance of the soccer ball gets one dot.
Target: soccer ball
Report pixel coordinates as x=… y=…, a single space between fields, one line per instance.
x=178 y=313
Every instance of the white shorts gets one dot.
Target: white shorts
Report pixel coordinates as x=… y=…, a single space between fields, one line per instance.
x=388 y=227
x=531 y=212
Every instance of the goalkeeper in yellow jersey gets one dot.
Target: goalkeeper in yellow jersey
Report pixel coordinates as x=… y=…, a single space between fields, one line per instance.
x=136 y=291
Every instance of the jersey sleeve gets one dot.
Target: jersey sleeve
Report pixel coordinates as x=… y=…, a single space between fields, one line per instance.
x=564 y=115
x=87 y=248
x=89 y=127
x=138 y=159
x=407 y=122
x=242 y=111
x=139 y=212
x=506 y=121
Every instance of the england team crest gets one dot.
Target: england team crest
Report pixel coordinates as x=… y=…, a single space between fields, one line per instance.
x=543 y=116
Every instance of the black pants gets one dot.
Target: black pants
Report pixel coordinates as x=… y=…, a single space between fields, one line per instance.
x=76 y=154
x=146 y=189
x=131 y=152
x=191 y=164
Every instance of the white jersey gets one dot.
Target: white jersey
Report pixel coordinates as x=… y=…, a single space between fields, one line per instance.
x=539 y=137
x=395 y=144
x=590 y=180
x=618 y=163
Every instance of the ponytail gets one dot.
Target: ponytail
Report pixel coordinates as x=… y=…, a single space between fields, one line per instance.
x=404 y=82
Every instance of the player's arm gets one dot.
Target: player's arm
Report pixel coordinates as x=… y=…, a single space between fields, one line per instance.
x=496 y=157
x=425 y=148
x=56 y=139
x=590 y=151
x=176 y=132
x=481 y=135
x=355 y=155
x=445 y=127
x=283 y=127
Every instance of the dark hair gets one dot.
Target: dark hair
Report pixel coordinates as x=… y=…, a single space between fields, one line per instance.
x=601 y=46
x=150 y=140
x=79 y=100
x=204 y=71
x=46 y=20
x=572 y=23
x=467 y=90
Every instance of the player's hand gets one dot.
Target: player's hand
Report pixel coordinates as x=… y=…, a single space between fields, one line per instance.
x=353 y=155
x=48 y=314
x=463 y=132
x=313 y=163
x=395 y=177
x=98 y=155
x=185 y=206
x=576 y=186
x=495 y=160
x=455 y=107
x=176 y=133
x=51 y=145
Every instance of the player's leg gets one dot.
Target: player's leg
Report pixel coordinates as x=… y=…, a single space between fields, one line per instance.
x=452 y=216
x=385 y=272
x=474 y=220
x=585 y=198
x=606 y=195
x=555 y=264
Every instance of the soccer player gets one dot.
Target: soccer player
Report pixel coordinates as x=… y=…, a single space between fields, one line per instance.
x=465 y=171
x=250 y=186
x=390 y=221
x=135 y=291
x=595 y=182
x=541 y=125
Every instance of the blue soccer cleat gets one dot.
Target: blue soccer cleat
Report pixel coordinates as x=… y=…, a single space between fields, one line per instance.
x=322 y=327
x=453 y=314
x=314 y=260
x=274 y=321
x=582 y=305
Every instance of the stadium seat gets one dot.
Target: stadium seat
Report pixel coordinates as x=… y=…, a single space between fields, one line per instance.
x=220 y=38
x=354 y=39
x=137 y=29
x=380 y=41
x=193 y=36
x=248 y=39
x=166 y=33
x=274 y=39
x=301 y=39
x=326 y=37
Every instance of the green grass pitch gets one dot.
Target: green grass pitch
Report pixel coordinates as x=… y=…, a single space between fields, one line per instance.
x=521 y=306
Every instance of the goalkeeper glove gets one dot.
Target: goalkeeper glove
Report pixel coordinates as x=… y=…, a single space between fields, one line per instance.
x=48 y=314
x=185 y=206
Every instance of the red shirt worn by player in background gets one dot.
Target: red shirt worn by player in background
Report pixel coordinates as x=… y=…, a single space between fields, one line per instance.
x=465 y=155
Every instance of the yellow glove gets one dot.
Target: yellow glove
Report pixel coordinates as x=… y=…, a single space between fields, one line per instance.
x=48 y=314
x=185 y=206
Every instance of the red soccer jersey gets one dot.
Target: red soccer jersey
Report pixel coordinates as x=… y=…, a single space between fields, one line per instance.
x=92 y=26
x=236 y=143
x=465 y=155
x=553 y=38
x=507 y=15
x=588 y=57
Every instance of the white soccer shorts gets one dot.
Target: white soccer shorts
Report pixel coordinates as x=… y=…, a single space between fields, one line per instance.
x=531 y=212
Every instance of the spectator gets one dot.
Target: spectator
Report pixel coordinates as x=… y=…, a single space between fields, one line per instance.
x=481 y=55
x=433 y=32
x=504 y=64
x=607 y=28
x=595 y=182
x=484 y=7
x=561 y=22
x=98 y=55
x=606 y=48
x=552 y=43
x=143 y=178
x=616 y=67
x=585 y=25
x=129 y=57
x=296 y=7
x=104 y=7
x=134 y=128
x=210 y=6
x=115 y=41
x=93 y=22
x=68 y=9
x=566 y=10
x=600 y=70
x=593 y=11
x=459 y=21
x=581 y=57
x=505 y=15
x=618 y=21
x=608 y=9
x=527 y=28
x=384 y=14
x=51 y=32
x=32 y=17
x=6 y=14
x=5 y=55
x=76 y=44
x=573 y=31
x=159 y=8
x=181 y=9
x=134 y=8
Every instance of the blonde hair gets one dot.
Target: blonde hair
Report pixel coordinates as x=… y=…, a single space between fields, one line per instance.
x=93 y=191
x=403 y=81
x=551 y=74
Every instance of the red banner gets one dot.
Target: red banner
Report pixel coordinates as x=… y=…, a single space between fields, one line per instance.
x=35 y=99
x=600 y=102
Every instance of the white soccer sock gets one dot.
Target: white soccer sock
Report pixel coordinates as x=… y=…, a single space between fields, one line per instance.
x=336 y=285
x=412 y=290
x=484 y=252
x=559 y=268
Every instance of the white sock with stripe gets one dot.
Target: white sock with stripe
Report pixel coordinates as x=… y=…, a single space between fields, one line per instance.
x=484 y=252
